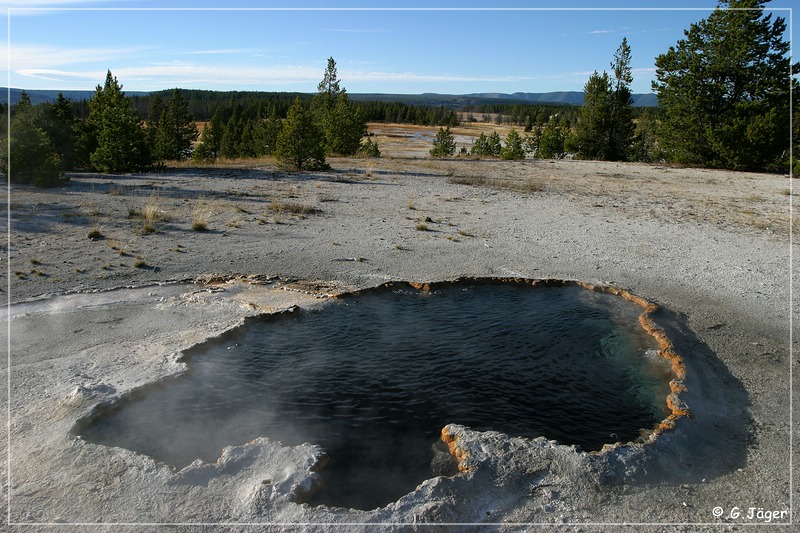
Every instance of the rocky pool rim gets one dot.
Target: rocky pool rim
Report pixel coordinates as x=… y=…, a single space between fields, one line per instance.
x=676 y=407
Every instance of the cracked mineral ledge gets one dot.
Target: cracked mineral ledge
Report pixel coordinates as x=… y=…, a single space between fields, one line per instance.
x=118 y=342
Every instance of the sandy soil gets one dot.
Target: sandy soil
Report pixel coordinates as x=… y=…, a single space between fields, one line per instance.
x=710 y=247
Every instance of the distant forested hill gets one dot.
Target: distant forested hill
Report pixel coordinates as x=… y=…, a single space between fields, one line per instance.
x=451 y=101
x=568 y=97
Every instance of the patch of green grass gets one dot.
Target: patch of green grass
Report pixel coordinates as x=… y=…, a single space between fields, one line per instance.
x=421 y=226
x=140 y=263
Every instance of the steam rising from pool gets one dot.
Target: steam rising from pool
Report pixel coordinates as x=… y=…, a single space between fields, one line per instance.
x=372 y=378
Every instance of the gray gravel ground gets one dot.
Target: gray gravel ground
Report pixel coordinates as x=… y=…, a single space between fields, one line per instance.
x=711 y=248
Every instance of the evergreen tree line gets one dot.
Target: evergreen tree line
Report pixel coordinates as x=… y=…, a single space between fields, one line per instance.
x=524 y=115
x=723 y=93
x=204 y=104
x=724 y=101
x=404 y=113
x=327 y=124
x=724 y=98
x=548 y=142
x=49 y=139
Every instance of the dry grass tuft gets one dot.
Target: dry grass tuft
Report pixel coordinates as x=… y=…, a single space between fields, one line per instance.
x=279 y=207
x=525 y=186
x=201 y=214
x=150 y=213
x=95 y=234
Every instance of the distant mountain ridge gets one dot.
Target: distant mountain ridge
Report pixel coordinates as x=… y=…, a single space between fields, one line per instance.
x=563 y=97
x=38 y=96
x=434 y=99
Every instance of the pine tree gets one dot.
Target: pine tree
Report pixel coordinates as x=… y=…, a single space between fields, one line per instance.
x=605 y=124
x=493 y=144
x=444 y=145
x=596 y=118
x=725 y=88
x=265 y=134
x=155 y=111
x=58 y=122
x=300 y=143
x=645 y=146
x=480 y=146
x=210 y=139
x=246 y=146
x=32 y=158
x=229 y=142
x=551 y=141
x=370 y=149
x=121 y=141
x=513 y=148
x=346 y=127
x=176 y=129
x=342 y=123
x=330 y=82
x=622 y=126
x=324 y=102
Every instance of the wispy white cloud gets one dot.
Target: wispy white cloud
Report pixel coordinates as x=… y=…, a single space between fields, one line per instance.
x=164 y=76
x=225 y=51
x=46 y=3
x=39 y=56
x=43 y=7
x=601 y=32
x=143 y=68
x=151 y=77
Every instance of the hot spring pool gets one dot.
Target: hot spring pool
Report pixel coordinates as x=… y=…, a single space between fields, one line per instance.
x=373 y=377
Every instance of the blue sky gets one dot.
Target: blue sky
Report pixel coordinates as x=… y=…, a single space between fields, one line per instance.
x=461 y=49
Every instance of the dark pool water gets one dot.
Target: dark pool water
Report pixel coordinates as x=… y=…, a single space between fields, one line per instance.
x=373 y=378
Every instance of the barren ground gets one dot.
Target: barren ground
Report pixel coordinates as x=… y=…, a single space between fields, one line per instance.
x=710 y=247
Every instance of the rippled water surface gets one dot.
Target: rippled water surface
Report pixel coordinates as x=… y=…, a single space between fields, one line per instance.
x=374 y=377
